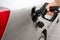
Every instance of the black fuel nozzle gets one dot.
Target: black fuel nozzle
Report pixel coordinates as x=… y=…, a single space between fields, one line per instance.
x=36 y=13
x=55 y=9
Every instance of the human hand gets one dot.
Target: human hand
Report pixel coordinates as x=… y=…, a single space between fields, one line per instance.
x=51 y=5
x=48 y=7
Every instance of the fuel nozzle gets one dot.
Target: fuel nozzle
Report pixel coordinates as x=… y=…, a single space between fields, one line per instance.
x=55 y=9
x=36 y=13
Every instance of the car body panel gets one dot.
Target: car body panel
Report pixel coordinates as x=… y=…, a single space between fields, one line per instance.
x=21 y=27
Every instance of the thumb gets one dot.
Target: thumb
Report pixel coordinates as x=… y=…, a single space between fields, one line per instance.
x=48 y=7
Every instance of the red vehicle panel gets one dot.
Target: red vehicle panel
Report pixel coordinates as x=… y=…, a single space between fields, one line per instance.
x=4 y=15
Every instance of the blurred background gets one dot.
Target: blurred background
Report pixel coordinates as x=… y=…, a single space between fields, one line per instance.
x=19 y=4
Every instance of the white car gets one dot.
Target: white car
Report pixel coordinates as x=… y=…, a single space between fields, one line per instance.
x=23 y=25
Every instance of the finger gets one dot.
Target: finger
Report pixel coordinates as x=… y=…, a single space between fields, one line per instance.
x=51 y=4
x=48 y=7
x=50 y=13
